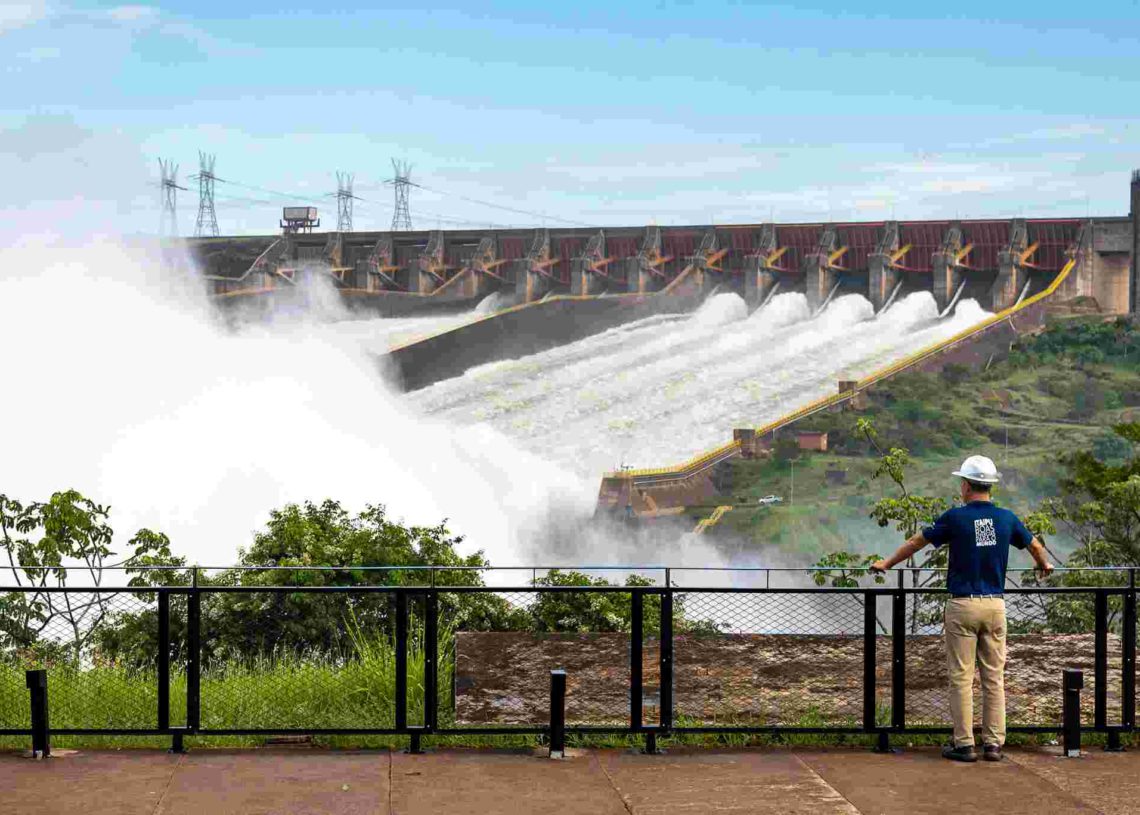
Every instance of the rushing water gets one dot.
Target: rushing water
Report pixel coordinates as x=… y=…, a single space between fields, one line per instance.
x=657 y=391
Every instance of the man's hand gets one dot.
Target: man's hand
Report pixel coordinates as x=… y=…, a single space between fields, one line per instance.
x=1046 y=569
x=881 y=566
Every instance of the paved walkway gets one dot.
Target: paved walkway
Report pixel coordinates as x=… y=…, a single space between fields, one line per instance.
x=601 y=782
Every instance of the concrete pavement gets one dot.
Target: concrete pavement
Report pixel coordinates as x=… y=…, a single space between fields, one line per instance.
x=598 y=782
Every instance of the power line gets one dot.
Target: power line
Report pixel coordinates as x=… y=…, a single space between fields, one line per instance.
x=168 y=218
x=275 y=193
x=401 y=182
x=504 y=208
x=207 y=222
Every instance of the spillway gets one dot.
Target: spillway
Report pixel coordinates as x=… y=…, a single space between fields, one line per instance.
x=660 y=390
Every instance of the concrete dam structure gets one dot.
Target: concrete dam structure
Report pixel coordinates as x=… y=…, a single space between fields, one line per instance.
x=396 y=273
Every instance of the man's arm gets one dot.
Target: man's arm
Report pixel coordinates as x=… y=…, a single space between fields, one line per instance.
x=905 y=552
x=1036 y=550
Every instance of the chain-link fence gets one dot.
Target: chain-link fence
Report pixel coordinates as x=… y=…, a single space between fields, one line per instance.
x=79 y=638
x=768 y=659
x=446 y=653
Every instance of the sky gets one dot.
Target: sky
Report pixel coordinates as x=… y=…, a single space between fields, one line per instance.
x=517 y=114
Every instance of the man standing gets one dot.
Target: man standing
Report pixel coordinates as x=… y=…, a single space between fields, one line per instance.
x=979 y=536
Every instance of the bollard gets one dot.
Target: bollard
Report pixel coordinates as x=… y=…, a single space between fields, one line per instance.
x=37 y=686
x=1072 y=682
x=557 y=714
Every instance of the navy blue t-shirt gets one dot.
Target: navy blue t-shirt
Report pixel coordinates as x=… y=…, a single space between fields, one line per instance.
x=979 y=535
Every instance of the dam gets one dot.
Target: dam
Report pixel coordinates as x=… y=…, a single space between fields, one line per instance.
x=614 y=348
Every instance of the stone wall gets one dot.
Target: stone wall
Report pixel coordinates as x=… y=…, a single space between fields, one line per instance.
x=762 y=679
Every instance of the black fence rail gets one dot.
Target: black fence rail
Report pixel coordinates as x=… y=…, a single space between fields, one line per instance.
x=643 y=658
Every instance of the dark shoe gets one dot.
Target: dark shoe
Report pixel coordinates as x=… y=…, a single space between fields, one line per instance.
x=966 y=753
x=991 y=752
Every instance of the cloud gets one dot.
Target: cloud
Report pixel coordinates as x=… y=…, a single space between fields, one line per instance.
x=19 y=15
x=61 y=178
x=1067 y=132
x=926 y=167
x=976 y=184
x=133 y=14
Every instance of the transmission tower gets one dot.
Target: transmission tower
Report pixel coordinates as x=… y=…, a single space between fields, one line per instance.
x=344 y=199
x=401 y=181
x=168 y=219
x=207 y=223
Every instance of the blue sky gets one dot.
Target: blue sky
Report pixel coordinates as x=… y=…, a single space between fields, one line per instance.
x=666 y=113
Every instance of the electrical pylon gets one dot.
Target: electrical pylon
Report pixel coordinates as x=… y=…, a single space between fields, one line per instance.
x=207 y=223
x=344 y=199
x=168 y=219
x=401 y=181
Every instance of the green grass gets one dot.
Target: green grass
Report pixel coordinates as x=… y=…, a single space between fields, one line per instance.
x=286 y=690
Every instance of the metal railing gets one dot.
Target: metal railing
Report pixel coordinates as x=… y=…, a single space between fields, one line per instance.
x=766 y=654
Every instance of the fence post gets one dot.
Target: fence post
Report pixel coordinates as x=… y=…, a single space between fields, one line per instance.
x=870 y=698
x=194 y=657
x=1128 y=655
x=401 y=660
x=431 y=666
x=635 y=668
x=1071 y=683
x=163 y=659
x=1100 y=661
x=898 y=657
x=38 y=687
x=666 y=666
x=557 y=714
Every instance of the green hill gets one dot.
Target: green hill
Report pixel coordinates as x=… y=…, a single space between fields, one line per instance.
x=1057 y=391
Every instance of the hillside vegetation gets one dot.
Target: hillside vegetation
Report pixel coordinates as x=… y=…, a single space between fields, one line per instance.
x=1057 y=392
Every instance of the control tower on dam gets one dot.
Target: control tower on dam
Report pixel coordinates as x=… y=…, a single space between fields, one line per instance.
x=993 y=261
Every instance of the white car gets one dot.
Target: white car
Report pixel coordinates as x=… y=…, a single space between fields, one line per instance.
x=770 y=499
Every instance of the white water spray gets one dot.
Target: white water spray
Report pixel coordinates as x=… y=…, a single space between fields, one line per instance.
x=656 y=391
x=135 y=396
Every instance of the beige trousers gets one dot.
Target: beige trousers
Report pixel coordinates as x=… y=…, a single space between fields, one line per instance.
x=975 y=628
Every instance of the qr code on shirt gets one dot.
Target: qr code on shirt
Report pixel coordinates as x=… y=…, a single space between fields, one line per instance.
x=984 y=534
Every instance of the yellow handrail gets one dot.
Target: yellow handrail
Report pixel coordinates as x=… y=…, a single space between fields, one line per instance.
x=703 y=460
x=712 y=520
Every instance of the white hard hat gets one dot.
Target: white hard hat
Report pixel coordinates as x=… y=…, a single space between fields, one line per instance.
x=978 y=469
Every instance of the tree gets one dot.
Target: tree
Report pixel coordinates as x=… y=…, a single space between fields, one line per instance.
x=842 y=570
x=909 y=513
x=786 y=449
x=582 y=612
x=1099 y=505
x=322 y=545
x=45 y=543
